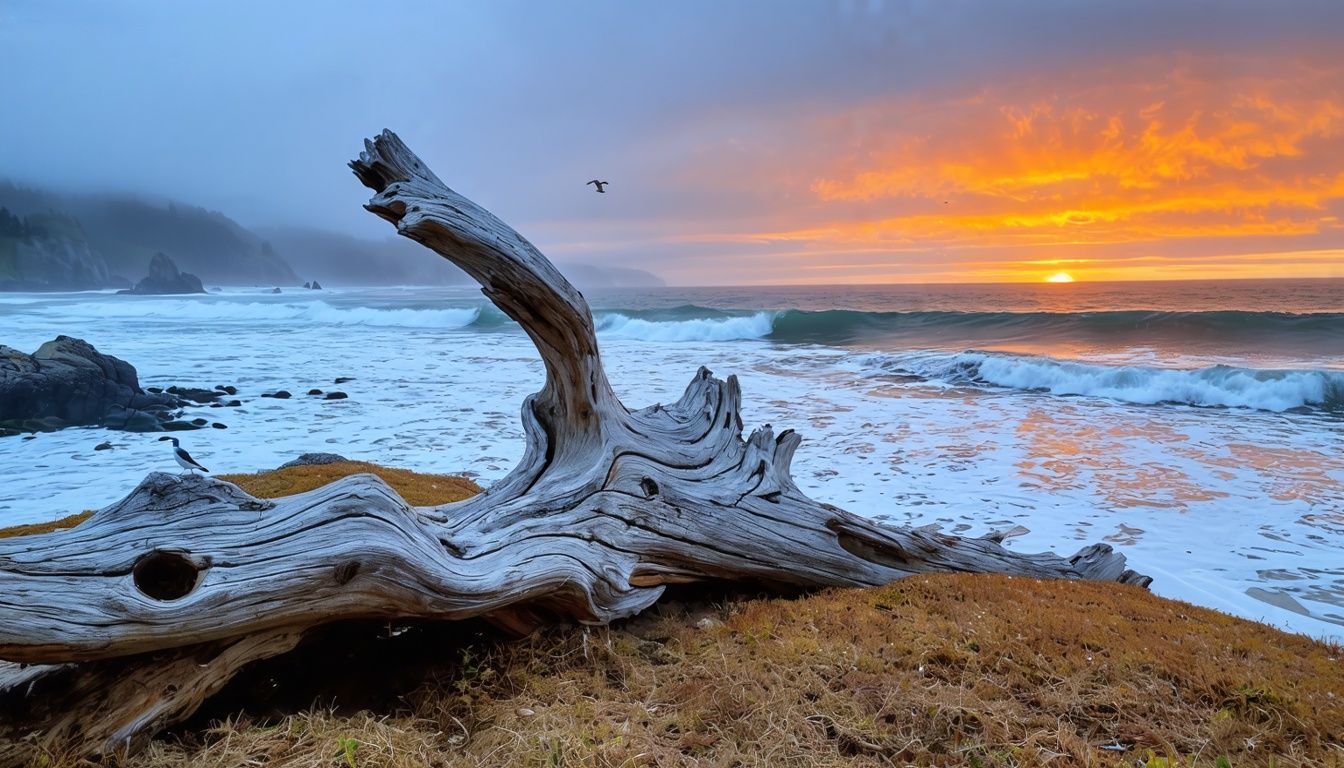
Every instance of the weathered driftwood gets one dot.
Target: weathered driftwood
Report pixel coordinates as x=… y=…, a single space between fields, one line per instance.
x=607 y=507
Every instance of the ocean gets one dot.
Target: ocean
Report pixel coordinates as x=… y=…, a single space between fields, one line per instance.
x=1196 y=426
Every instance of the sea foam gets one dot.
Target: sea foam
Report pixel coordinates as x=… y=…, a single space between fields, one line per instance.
x=727 y=328
x=319 y=312
x=1218 y=385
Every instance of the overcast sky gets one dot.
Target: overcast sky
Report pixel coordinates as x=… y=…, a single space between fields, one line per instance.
x=771 y=141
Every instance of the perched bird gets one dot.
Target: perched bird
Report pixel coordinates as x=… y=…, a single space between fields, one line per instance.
x=601 y=185
x=184 y=459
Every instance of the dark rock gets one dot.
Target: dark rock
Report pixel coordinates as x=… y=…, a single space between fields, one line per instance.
x=313 y=458
x=308 y=285
x=155 y=390
x=217 y=425
x=200 y=422
x=181 y=426
x=131 y=420
x=275 y=290
x=316 y=286
x=343 y=379
x=67 y=382
x=45 y=424
x=227 y=389
x=165 y=279
x=233 y=403
x=195 y=395
x=102 y=446
x=8 y=432
x=314 y=391
x=335 y=395
x=29 y=437
x=278 y=394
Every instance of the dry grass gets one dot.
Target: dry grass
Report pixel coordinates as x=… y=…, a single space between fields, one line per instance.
x=421 y=490
x=69 y=521
x=418 y=489
x=940 y=670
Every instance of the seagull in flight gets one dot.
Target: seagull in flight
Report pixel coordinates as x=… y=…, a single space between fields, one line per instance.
x=184 y=459
x=601 y=185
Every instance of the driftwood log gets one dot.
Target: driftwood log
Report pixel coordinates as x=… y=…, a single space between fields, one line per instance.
x=155 y=602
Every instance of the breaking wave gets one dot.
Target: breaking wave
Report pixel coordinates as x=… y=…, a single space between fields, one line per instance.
x=1218 y=385
x=314 y=312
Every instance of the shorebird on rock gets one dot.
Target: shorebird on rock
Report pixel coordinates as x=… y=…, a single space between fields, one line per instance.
x=184 y=459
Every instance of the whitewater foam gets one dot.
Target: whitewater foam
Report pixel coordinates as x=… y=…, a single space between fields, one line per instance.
x=1219 y=385
x=321 y=312
x=731 y=328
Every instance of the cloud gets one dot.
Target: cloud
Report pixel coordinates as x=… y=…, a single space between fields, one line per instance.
x=1163 y=150
x=745 y=142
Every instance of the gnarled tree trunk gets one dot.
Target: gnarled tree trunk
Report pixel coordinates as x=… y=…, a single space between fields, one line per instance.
x=607 y=507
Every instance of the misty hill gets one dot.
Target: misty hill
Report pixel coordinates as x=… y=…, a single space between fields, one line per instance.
x=332 y=258
x=125 y=232
x=336 y=259
x=46 y=251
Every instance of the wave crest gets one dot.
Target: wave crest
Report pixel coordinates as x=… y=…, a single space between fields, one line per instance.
x=1219 y=385
x=721 y=328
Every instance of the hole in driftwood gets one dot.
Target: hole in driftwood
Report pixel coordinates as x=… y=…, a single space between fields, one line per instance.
x=165 y=575
x=649 y=487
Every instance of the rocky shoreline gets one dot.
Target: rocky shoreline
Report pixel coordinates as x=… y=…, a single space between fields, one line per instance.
x=68 y=383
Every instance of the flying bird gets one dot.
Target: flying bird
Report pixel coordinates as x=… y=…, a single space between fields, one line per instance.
x=600 y=185
x=184 y=459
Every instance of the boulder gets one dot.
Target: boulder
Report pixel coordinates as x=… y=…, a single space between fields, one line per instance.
x=314 y=458
x=165 y=279
x=131 y=420
x=67 y=382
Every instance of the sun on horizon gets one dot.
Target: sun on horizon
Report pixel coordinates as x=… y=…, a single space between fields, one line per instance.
x=1060 y=277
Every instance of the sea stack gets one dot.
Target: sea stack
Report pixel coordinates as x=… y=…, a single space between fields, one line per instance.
x=165 y=279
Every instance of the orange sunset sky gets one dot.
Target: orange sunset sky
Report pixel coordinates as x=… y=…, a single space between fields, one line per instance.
x=835 y=141
x=1180 y=166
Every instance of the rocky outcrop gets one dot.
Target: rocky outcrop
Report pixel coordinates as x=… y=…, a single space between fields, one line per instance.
x=57 y=264
x=69 y=383
x=165 y=279
x=48 y=253
x=313 y=458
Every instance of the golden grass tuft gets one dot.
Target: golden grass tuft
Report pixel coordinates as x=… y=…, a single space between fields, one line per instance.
x=970 y=670
x=69 y=521
x=418 y=489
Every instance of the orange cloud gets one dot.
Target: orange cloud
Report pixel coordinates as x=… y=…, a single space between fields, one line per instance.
x=1205 y=150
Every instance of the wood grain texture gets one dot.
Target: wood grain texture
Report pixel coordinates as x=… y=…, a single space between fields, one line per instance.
x=607 y=506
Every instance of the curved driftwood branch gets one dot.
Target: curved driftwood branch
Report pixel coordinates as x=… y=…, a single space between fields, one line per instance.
x=607 y=506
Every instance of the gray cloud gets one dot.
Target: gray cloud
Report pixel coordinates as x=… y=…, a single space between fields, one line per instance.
x=253 y=108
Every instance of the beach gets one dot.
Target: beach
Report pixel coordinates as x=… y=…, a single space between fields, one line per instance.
x=1203 y=444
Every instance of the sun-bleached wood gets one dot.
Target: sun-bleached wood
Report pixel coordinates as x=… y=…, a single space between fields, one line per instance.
x=607 y=507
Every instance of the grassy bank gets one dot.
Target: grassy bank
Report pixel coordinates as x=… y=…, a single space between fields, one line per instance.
x=940 y=670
